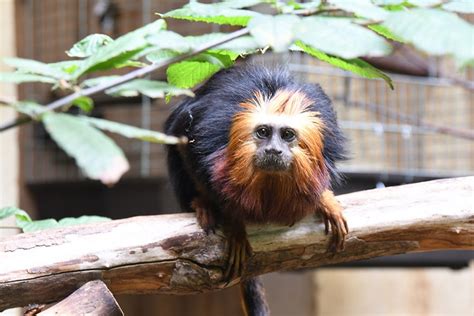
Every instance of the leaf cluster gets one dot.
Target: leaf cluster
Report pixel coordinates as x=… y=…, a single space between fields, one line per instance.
x=338 y=32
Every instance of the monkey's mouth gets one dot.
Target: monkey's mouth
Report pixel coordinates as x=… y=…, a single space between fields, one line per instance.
x=272 y=163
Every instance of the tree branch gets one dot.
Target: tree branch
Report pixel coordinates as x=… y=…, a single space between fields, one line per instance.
x=139 y=73
x=171 y=254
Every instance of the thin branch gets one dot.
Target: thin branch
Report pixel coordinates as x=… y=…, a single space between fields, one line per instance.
x=171 y=254
x=128 y=77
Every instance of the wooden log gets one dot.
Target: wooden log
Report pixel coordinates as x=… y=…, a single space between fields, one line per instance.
x=171 y=254
x=92 y=299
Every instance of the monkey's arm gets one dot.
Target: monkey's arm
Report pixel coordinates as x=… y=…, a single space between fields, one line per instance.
x=331 y=211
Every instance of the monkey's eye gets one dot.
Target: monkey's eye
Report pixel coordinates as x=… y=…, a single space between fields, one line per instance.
x=263 y=132
x=288 y=134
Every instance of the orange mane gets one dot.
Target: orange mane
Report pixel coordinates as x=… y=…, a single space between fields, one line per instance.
x=268 y=197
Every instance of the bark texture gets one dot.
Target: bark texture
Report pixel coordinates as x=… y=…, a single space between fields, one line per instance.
x=171 y=254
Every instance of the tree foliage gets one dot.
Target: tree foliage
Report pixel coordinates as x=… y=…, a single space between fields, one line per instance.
x=338 y=32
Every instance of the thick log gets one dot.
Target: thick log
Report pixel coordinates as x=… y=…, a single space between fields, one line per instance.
x=92 y=299
x=171 y=254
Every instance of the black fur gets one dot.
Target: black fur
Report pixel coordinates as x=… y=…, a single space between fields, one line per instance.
x=206 y=119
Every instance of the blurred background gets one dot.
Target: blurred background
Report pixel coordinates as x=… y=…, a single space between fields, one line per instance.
x=410 y=134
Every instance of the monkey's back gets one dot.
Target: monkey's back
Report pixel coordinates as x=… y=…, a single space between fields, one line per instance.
x=206 y=120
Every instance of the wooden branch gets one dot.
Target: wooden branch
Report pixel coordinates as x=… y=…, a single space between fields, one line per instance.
x=93 y=299
x=171 y=254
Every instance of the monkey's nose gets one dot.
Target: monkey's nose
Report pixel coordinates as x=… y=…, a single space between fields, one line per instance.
x=273 y=151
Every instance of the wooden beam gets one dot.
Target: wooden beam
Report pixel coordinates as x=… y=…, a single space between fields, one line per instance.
x=171 y=254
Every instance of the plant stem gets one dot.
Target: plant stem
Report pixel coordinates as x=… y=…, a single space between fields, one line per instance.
x=125 y=78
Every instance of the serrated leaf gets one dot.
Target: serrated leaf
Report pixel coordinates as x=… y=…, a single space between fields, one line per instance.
x=362 y=8
x=460 y=6
x=212 y=13
x=89 y=45
x=187 y=74
x=340 y=37
x=150 y=88
x=277 y=32
x=86 y=104
x=435 y=32
x=170 y=41
x=121 y=50
x=357 y=66
x=95 y=153
x=29 y=66
x=385 y=32
x=131 y=131
x=16 y=77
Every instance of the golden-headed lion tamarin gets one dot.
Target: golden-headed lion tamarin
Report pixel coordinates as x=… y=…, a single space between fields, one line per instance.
x=262 y=149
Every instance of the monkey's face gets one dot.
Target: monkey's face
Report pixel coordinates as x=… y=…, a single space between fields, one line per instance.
x=274 y=142
x=276 y=135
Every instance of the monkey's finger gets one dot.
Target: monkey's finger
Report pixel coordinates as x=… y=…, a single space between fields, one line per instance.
x=230 y=261
x=326 y=224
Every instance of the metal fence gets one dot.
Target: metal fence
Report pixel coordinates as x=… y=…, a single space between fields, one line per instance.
x=406 y=131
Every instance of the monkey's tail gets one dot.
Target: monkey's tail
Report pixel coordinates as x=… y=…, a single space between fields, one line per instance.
x=253 y=297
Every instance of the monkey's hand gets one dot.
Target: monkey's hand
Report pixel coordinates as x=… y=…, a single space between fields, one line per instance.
x=330 y=211
x=239 y=251
x=204 y=215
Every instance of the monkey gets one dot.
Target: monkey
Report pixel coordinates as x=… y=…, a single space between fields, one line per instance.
x=262 y=148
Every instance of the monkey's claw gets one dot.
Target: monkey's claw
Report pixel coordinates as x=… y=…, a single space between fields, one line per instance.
x=239 y=251
x=339 y=229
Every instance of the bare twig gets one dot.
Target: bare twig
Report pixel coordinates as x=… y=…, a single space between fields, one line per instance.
x=171 y=254
x=128 y=77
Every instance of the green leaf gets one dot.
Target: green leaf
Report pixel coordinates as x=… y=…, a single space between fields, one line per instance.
x=21 y=216
x=150 y=88
x=241 y=45
x=277 y=32
x=357 y=66
x=340 y=37
x=435 y=32
x=89 y=45
x=425 y=3
x=187 y=74
x=67 y=66
x=30 y=66
x=388 y=2
x=95 y=153
x=16 y=77
x=239 y=4
x=86 y=104
x=131 y=131
x=362 y=8
x=32 y=109
x=160 y=55
x=170 y=41
x=85 y=219
x=31 y=226
x=212 y=13
x=385 y=32
x=121 y=50
x=13 y=211
x=461 y=6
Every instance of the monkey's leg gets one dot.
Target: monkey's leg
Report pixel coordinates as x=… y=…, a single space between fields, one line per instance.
x=204 y=215
x=331 y=212
x=239 y=250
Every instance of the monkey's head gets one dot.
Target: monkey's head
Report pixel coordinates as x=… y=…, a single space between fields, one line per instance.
x=279 y=136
